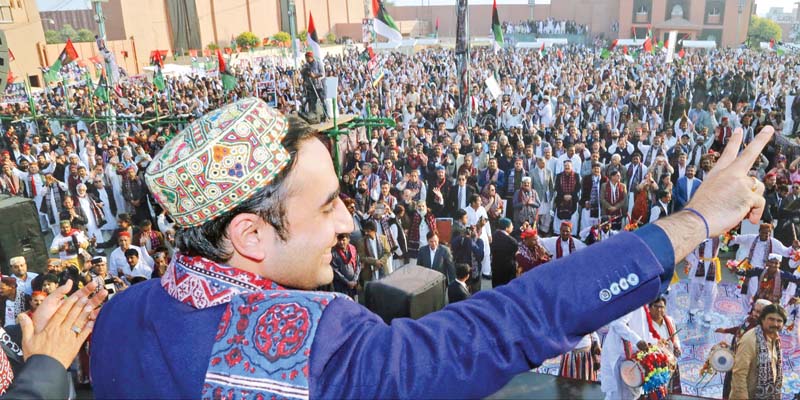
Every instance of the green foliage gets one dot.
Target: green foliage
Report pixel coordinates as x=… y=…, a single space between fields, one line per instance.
x=68 y=32
x=84 y=35
x=330 y=38
x=763 y=30
x=212 y=46
x=282 y=38
x=52 y=36
x=247 y=40
x=302 y=35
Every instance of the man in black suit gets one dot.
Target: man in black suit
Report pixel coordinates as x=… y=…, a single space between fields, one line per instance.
x=458 y=196
x=437 y=257
x=503 y=250
x=457 y=290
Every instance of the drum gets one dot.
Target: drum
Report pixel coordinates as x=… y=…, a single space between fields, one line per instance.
x=721 y=358
x=632 y=373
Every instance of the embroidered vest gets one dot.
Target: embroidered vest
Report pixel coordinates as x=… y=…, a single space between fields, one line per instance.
x=263 y=342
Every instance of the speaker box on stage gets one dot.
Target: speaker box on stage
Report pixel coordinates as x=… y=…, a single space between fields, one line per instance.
x=21 y=234
x=411 y=291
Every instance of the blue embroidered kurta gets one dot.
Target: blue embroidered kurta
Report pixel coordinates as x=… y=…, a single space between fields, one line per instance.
x=148 y=344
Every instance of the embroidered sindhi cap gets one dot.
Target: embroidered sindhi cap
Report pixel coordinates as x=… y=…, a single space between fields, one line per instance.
x=219 y=161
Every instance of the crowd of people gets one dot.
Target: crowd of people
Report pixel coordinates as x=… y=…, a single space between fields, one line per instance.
x=576 y=149
x=549 y=26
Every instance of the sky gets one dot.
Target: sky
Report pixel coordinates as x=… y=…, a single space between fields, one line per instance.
x=61 y=5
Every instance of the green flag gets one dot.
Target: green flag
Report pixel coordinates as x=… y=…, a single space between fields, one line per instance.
x=67 y=56
x=497 y=30
x=158 y=79
x=228 y=80
x=605 y=54
x=102 y=89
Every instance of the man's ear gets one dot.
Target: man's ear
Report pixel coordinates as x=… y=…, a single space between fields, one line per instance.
x=248 y=235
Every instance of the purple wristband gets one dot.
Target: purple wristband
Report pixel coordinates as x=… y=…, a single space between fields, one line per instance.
x=695 y=212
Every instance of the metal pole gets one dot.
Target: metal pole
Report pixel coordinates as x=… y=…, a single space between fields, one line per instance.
x=292 y=12
x=101 y=31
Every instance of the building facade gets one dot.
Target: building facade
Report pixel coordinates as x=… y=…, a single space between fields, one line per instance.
x=724 y=21
x=134 y=28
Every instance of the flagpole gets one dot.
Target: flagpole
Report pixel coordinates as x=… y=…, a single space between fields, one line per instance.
x=31 y=103
x=66 y=94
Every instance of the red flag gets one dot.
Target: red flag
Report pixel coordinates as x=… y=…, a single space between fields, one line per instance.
x=11 y=56
x=559 y=54
x=437 y=24
x=648 y=45
x=10 y=78
x=542 y=48
x=666 y=44
x=192 y=53
x=613 y=45
x=625 y=50
x=772 y=43
x=682 y=53
x=222 y=68
x=228 y=51
x=741 y=61
x=69 y=54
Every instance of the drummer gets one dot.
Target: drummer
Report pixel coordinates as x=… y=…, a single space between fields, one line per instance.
x=626 y=335
x=662 y=329
x=738 y=331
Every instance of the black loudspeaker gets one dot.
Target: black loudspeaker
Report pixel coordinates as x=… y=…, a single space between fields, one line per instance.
x=21 y=234
x=409 y=292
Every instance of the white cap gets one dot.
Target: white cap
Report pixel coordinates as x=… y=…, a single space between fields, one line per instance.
x=775 y=257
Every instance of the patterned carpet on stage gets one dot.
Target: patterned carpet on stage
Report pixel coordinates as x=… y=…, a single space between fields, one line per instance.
x=697 y=338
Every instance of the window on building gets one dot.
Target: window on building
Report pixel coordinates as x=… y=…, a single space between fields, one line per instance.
x=641 y=11
x=715 y=10
x=6 y=17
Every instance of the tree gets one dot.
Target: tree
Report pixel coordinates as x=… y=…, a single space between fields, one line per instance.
x=762 y=30
x=247 y=40
x=68 y=32
x=84 y=35
x=212 y=46
x=330 y=38
x=303 y=35
x=282 y=38
x=51 y=36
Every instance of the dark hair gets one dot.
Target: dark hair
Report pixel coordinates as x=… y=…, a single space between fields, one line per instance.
x=462 y=270
x=659 y=299
x=369 y=226
x=269 y=203
x=772 y=309
x=50 y=278
x=474 y=198
x=460 y=213
x=131 y=252
x=662 y=193
x=430 y=235
x=124 y=217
